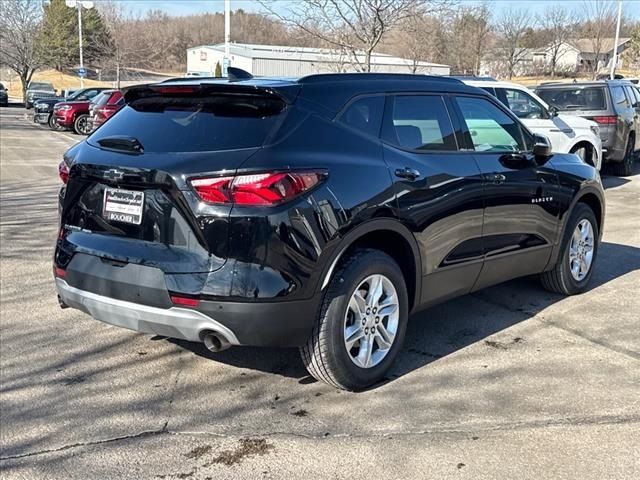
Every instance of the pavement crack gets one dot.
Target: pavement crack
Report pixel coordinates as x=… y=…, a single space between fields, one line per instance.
x=146 y=433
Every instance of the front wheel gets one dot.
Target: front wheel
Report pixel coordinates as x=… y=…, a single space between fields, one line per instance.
x=361 y=324
x=578 y=250
x=82 y=125
x=53 y=125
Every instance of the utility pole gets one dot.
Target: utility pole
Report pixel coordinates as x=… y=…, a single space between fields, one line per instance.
x=80 y=4
x=614 y=60
x=227 y=35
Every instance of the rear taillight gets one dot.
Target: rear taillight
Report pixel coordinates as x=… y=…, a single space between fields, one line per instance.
x=63 y=171
x=59 y=272
x=257 y=189
x=606 y=120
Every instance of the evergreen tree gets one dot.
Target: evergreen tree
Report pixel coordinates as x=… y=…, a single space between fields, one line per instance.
x=218 y=70
x=58 y=37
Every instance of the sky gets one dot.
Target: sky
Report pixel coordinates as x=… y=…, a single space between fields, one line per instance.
x=188 y=7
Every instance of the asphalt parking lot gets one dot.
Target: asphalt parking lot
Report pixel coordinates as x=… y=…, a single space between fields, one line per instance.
x=510 y=382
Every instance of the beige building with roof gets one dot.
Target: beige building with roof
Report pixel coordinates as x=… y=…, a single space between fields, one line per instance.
x=583 y=54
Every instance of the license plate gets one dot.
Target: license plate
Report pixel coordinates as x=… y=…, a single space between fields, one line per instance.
x=123 y=205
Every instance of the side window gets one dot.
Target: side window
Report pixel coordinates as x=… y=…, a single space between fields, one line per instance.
x=365 y=114
x=491 y=129
x=631 y=94
x=419 y=122
x=619 y=98
x=522 y=104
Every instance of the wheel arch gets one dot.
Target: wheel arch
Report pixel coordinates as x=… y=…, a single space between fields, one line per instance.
x=592 y=197
x=391 y=237
x=580 y=142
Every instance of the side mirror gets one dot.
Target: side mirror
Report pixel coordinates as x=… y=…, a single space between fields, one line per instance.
x=553 y=111
x=541 y=148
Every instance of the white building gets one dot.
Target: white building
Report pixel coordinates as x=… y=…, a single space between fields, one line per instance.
x=281 y=61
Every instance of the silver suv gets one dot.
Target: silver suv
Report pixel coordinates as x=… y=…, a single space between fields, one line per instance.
x=614 y=105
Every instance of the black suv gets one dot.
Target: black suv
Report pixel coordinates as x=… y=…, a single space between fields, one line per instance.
x=315 y=213
x=614 y=105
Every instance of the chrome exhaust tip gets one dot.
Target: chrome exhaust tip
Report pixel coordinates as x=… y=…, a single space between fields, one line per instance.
x=215 y=342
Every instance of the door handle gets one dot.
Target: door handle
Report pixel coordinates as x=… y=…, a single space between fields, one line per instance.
x=408 y=173
x=495 y=177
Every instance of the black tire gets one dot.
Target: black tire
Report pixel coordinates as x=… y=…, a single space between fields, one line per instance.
x=325 y=354
x=53 y=125
x=81 y=124
x=559 y=279
x=625 y=167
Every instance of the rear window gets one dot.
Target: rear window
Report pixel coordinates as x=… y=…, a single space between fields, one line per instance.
x=578 y=98
x=40 y=86
x=196 y=124
x=101 y=99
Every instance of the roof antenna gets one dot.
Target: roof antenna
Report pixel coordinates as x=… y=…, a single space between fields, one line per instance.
x=235 y=74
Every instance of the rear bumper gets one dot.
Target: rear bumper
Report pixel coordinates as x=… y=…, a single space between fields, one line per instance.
x=137 y=297
x=169 y=322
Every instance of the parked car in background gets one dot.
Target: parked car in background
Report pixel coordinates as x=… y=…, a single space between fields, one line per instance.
x=38 y=90
x=613 y=104
x=74 y=116
x=567 y=133
x=4 y=96
x=104 y=106
x=315 y=213
x=43 y=108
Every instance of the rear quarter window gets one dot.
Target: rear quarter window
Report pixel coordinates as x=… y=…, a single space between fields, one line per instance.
x=619 y=98
x=419 y=122
x=194 y=123
x=365 y=115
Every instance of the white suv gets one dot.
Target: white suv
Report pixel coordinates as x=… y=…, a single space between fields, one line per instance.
x=567 y=133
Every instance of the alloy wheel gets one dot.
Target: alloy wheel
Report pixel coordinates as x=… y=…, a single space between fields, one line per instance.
x=371 y=321
x=581 y=250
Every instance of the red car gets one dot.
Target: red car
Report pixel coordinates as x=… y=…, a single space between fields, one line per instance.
x=73 y=116
x=104 y=106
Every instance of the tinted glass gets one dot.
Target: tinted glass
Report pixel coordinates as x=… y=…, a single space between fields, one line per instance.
x=40 y=86
x=195 y=124
x=579 y=98
x=420 y=123
x=365 y=115
x=619 y=98
x=489 y=90
x=522 y=104
x=631 y=94
x=491 y=129
x=99 y=99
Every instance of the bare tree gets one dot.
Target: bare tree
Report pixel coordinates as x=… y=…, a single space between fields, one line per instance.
x=512 y=28
x=556 y=22
x=599 y=19
x=19 y=24
x=418 y=38
x=467 y=37
x=355 y=27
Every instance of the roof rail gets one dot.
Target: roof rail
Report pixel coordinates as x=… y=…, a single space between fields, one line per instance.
x=474 y=77
x=347 y=77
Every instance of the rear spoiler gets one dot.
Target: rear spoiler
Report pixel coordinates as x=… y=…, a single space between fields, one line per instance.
x=286 y=92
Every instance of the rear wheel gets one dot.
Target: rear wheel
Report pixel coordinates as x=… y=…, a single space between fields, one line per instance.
x=625 y=168
x=361 y=324
x=82 y=126
x=578 y=250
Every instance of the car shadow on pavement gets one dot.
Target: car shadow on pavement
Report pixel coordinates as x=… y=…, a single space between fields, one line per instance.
x=447 y=328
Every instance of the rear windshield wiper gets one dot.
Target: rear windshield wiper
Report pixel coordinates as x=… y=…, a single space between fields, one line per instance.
x=122 y=143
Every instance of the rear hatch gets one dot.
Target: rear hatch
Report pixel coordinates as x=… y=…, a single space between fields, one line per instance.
x=128 y=197
x=587 y=101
